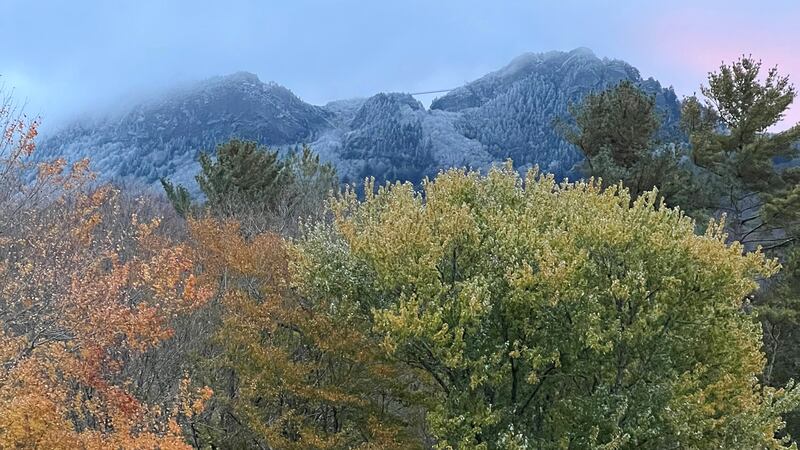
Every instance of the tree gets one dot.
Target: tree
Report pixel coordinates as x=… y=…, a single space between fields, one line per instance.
x=731 y=142
x=81 y=292
x=296 y=373
x=302 y=197
x=616 y=131
x=262 y=191
x=179 y=197
x=544 y=315
x=753 y=174
x=242 y=174
x=621 y=121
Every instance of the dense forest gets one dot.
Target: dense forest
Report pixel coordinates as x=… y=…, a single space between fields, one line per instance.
x=653 y=304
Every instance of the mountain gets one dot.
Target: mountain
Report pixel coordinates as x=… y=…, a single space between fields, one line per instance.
x=162 y=137
x=392 y=136
x=504 y=114
x=511 y=111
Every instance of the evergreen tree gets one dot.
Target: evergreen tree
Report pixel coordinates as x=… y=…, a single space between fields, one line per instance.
x=178 y=196
x=243 y=175
x=616 y=131
x=261 y=190
x=740 y=158
x=620 y=121
x=753 y=174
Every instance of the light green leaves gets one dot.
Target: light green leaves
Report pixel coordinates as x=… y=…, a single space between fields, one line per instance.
x=544 y=315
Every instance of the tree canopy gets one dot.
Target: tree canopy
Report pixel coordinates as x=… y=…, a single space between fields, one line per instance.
x=616 y=130
x=257 y=187
x=547 y=315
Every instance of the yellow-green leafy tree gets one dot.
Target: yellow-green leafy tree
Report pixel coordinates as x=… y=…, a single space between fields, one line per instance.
x=545 y=315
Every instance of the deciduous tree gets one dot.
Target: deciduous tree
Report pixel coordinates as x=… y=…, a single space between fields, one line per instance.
x=298 y=372
x=547 y=315
x=78 y=297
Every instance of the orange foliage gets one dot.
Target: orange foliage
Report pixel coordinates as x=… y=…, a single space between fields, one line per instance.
x=308 y=378
x=82 y=288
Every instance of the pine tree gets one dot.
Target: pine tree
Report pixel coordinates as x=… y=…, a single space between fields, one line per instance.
x=752 y=172
x=258 y=188
x=178 y=196
x=616 y=131
x=731 y=141
x=242 y=175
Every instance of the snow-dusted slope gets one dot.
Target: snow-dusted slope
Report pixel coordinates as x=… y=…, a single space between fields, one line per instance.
x=511 y=111
x=163 y=137
x=391 y=136
x=505 y=114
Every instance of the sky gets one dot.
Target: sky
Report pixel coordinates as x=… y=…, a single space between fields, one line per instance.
x=65 y=58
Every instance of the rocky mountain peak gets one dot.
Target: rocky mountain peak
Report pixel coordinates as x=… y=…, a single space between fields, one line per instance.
x=505 y=114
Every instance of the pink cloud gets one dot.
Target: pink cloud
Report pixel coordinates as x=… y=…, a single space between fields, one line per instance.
x=689 y=43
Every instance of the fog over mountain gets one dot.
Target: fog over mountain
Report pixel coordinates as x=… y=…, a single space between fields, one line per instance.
x=505 y=114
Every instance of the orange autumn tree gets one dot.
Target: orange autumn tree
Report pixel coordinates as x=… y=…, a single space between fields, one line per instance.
x=305 y=376
x=83 y=288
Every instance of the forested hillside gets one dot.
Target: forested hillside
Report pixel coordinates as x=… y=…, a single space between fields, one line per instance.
x=506 y=114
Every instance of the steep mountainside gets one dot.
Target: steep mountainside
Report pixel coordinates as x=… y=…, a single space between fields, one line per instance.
x=505 y=114
x=511 y=111
x=163 y=137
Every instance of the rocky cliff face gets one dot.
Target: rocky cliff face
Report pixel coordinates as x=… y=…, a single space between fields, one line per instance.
x=505 y=114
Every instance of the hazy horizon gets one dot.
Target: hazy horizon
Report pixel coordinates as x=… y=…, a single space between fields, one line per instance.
x=68 y=58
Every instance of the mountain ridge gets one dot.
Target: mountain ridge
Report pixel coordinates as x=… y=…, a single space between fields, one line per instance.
x=507 y=113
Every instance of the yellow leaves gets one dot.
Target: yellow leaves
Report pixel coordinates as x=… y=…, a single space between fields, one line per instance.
x=77 y=304
x=223 y=248
x=145 y=229
x=190 y=402
x=566 y=294
x=302 y=362
x=204 y=394
x=168 y=275
x=18 y=136
x=193 y=295
x=51 y=169
x=29 y=421
x=90 y=305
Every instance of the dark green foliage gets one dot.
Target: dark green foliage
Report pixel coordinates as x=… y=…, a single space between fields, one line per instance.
x=243 y=174
x=307 y=184
x=308 y=174
x=739 y=158
x=730 y=142
x=179 y=197
x=620 y=121
x=248 y=182
x=616 y=131
x=779 y=310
